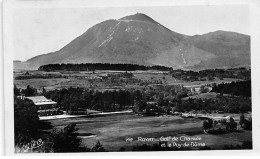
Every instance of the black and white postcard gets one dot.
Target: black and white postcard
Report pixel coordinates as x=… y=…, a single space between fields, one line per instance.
x=128 y=76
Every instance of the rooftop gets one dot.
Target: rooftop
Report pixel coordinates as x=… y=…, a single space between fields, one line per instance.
x=40 y=100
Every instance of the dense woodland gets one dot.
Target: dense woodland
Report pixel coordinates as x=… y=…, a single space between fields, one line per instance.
x=100 y=66
x=211 y=74
x=80 y=98
x=239 y=88
x=223 y=104
x=163 y=99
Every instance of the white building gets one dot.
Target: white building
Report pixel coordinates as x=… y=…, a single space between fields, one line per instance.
x=45 y=106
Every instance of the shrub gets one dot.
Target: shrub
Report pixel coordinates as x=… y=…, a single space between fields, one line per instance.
x=207 y=124
x=231 y=125
x=244 y=123
x=98 y=148
x=65 y=140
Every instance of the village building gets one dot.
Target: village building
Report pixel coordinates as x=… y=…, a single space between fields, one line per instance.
x=197 y=88
x=46 y=107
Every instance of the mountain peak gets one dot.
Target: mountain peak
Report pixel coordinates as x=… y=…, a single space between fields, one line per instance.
x=138 y=39
x=139 y=17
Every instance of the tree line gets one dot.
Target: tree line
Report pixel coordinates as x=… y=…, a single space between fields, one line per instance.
x=49 y=76
x=160 y=98
x=109 y=100
x=80 y=98
x=100 y=66
x=223 y=104
x=238 y=88
x=211 y=74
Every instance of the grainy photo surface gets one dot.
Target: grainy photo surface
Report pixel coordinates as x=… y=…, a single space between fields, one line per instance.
x=130 y=78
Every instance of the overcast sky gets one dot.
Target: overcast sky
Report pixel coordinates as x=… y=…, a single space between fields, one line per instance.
x=42 y=30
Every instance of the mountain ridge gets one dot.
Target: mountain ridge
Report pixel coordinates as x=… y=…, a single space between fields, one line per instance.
x=138 y=39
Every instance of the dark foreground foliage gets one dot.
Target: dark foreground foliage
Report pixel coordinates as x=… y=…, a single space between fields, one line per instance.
x=246 y=124
x=30 y=138
x=26 y=121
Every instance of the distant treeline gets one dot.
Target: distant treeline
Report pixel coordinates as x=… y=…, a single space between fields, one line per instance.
x=25 y=77
x=240 y=88
x=220 y=103
x=100 y=66
x=211 y=74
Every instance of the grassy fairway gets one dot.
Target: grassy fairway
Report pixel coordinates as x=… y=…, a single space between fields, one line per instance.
x=112 y=131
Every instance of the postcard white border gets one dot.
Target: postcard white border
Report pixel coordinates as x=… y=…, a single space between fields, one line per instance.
x=8 y=5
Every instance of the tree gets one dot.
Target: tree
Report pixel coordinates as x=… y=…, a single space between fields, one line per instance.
x=244 y=108
x=241 y=120
x=43 y=91
x=16 y=91
x=98 y=148
x=207 y=124
x=29 y=91
x=141 y=105
x=245 y=124
x=65 y=140
x=203 y=89
x=231 y=125
x=214 y=124
x=26 y=121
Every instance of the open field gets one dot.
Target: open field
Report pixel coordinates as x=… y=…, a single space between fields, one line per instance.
x=48 y=84
x=112 y=131
x=96 y=80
